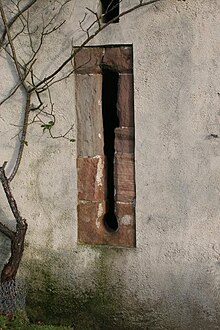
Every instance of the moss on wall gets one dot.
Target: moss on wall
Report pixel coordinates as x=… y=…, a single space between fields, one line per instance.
x=51 y=301
x=99 y=304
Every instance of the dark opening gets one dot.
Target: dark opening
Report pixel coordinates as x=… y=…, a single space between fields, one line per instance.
x=110 y=10
x=110 y=122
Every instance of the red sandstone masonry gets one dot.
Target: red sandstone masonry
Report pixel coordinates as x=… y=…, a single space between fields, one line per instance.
x=119 y=59
x=125 y=106
x=125 y=213
x=124 y=140
x=90 y=224
x=126 y=218
x=91 y=229
x=91 y=160
x=124 y=177
x=89 y=115
x=91 y=178
x=88 y=60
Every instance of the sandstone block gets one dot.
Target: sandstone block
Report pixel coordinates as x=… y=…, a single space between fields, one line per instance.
x=88 y=60
x=89 y=115
x=90 y=222
x=119 y=59
x=125 y=102
x=124 y=140
x=126 y=218
x=91 y=228
x=124 y=177
x=91 y=178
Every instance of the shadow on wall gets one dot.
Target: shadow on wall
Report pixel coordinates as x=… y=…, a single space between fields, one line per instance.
x=5 y=244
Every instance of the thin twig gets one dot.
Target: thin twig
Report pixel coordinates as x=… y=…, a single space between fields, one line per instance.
x=18 y=85
x=20 y=74
x=22 y=137
x=89 y=38
x=6 y=231
x=13 y=20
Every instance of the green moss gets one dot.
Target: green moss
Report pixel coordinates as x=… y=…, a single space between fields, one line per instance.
x=86 y=308
x=20 y=322
x=97 y=304
x=49 y=300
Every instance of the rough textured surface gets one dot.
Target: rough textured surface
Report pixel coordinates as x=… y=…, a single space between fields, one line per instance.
x=119 y=58
x=91 y=228
x=91 y=179
x=88 y=60
x=172 y=279
x=125 y=104
x=91 y=60
x=124 y=140
x=124 y=177
x=89 y=115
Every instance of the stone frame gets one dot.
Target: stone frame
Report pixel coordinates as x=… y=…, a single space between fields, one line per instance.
x=91 y=169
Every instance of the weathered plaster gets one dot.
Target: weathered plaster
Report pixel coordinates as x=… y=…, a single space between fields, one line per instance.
x=172 y=279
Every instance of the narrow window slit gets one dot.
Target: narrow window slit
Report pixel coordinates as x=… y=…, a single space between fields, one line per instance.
x=105 y=145
x=110 y=10
x=110 y=122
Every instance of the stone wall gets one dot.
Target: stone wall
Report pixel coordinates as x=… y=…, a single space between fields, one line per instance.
x=171 y=279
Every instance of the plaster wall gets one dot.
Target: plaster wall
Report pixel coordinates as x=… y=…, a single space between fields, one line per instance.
x=171 y=280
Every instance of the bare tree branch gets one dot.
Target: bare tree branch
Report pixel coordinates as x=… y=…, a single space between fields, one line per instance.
x=13 y=20
x=89 y=38
x=22 y=137
x=11 y=45
x=44 y=115
x=17 y=238
x=14 y=90
x=6 y=231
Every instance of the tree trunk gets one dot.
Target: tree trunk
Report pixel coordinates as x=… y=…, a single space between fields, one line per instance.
x=17 y=238
x=17 y=247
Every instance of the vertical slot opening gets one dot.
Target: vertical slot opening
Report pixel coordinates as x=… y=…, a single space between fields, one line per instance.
x=110 y=10
x=110 y=122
